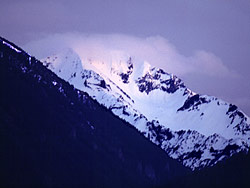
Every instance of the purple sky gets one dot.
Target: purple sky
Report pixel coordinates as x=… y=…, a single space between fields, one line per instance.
x=220 y=28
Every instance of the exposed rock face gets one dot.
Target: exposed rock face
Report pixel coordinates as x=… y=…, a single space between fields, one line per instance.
x=198 y=130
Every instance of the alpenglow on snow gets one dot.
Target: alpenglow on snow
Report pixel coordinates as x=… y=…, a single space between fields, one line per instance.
x=197 y=130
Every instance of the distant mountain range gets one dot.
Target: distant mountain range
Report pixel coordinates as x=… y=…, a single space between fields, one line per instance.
x=89 y=124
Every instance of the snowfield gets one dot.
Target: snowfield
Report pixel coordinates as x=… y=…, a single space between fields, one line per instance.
x=198 y=130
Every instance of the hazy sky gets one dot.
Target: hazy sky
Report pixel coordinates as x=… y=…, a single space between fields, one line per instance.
x=208 y=35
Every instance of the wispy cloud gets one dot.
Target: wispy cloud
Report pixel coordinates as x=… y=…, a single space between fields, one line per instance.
x=157 y=50
x=203 y=72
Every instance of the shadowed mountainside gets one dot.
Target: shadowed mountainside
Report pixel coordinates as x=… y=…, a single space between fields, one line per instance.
x=53 y=135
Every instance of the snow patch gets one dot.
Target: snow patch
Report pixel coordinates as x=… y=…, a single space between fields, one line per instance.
x=12 y=47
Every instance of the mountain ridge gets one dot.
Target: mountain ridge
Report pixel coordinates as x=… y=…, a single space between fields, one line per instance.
x=51 y=135
x=158 y=104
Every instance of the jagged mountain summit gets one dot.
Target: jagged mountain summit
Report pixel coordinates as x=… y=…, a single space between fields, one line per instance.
x=197 y=130
x=54 y=135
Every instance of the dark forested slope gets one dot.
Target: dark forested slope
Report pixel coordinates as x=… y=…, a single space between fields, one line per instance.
x=52 y=135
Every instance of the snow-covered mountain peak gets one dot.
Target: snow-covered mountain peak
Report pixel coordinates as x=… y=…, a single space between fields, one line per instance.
x=116 y=61
x=65 y=64
x=185 y=124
